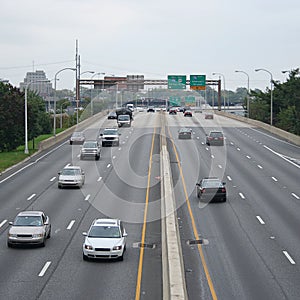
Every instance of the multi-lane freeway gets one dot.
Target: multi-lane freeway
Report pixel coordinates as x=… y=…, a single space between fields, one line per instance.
x=245 y=248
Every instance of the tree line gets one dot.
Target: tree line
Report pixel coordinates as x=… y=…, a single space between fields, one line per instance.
x=286 y=104
x=12 y=117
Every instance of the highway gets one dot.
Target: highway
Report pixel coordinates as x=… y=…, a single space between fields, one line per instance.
x=246 y=248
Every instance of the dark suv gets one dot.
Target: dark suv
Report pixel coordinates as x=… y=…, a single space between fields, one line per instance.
x=215 y=138
x=210 y=189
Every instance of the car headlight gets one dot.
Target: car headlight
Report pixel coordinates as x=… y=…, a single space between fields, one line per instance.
x=117 y=247
x=88 y=247
x=12 y=235
x=39 y=235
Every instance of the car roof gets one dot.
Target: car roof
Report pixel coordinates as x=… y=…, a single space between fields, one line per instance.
x=91 y=141
x=72 y=167
x=30 y=213
x=111 y=128
x=185 y=129
x=106 y=222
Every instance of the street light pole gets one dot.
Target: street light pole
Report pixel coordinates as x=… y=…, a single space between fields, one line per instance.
x=92 y=110
x=248 y=89
x=224 y=88
x=271 y=112
x=54 y=106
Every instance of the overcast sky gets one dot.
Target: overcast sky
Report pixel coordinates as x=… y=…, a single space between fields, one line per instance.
x=152 y=38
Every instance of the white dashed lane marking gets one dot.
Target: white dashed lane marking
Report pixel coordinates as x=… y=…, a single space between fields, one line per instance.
x=30 y=197
x=45 y=268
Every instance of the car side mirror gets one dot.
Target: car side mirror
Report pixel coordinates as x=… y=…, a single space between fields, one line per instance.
x=59 y=173
x=197 y=184
x=82 y=172
x=46 y=223
x=224 y=183
x=125 y=234
x=84 y=233
x=10 y=223
x=101 y=134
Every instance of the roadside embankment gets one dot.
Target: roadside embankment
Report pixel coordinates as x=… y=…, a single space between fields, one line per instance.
x=295 y=139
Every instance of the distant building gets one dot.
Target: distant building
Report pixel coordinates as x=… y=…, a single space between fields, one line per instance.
x=39 y=83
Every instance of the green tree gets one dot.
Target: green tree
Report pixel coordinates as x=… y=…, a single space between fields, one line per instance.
x=11 y=117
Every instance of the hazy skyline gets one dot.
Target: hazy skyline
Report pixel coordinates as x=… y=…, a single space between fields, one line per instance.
x=154 y=39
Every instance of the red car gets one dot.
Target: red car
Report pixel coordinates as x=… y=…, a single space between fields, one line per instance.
x=188 y=113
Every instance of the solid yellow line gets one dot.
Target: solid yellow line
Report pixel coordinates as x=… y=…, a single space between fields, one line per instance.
x=209 y=280
x=140 y=268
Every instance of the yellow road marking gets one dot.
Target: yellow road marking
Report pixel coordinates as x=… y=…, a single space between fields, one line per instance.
x=209 y=280
x=140 y=268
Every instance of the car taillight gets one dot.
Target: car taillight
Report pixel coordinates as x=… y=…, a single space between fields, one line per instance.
x=223 y=190
x=203 y=190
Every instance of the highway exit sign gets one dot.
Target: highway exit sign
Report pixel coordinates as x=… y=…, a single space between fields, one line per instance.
x=197 y=82
x=177 y=82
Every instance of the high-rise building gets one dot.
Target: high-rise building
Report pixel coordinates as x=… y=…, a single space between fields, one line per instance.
x=39 y=83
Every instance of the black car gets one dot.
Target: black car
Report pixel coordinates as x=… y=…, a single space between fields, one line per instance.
x=112 y=115
x=151 y=109
x=211 y=189
x=185 y=133
x=215 y=138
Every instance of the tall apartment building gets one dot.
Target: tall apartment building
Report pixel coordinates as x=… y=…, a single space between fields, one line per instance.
x=39 y=83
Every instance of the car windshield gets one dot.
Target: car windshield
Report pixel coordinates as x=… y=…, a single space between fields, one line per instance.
x=216 y=134
x=124 y=118
x=77 y=134
x=105 y=232
x=90 y=145
x=28 y=221
x=70 y=172
x=110 y=132
x=211 y=183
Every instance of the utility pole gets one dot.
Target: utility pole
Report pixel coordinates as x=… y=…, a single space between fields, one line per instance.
x=77 y=58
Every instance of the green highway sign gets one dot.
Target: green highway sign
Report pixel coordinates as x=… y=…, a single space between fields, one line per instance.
x=177 y=82
x=175 y=100
x=197 y=82
x=190 y=100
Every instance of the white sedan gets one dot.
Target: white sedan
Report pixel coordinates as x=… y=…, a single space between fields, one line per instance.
x=106 y=239
x=72 y=176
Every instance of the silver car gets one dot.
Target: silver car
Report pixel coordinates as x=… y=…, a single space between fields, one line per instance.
x=77 y=137
x=29 y=228
x=72 y=176
x=106 y=239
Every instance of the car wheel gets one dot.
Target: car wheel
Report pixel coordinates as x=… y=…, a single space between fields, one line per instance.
x=71 y=143
x=103 y=144
x=59 y=186
x=97 y=157
x=9 y=245
x=43 y=243
x=84 y=257
x=49 y=234
x=81 y=157
x=121 y=258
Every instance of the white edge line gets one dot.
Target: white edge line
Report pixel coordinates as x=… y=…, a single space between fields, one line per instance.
x=289 y=257
x=99 y=179
x=2 y=223
x=25 y=167
x=30 y=197
x=242 y=196
x=278 y=154
x=71 y=225
x=229 y=178
x=296 y=196
x=46 y=266
x=53 y=178
x=261 y=221
x=87 y=197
